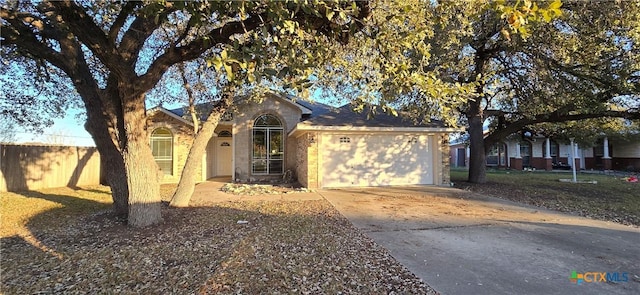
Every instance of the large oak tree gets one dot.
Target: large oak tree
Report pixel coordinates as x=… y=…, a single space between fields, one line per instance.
x=112 y=55
x=584 y=64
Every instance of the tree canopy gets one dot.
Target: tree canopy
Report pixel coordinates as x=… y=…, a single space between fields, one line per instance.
x=583 y=65
x=114 y=52
x=507 y=64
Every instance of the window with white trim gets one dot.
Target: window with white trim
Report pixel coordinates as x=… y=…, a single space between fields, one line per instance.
x=345 y=139
x=268 y=145
x=162 y=149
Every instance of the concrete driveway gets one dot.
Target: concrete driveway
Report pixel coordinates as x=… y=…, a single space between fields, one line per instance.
x=463 y=243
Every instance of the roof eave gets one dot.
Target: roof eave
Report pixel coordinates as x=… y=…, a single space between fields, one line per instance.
x=301 y=128
x=170 y=114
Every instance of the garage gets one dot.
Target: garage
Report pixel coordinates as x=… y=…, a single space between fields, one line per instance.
x=376 y=159
x=338 y=148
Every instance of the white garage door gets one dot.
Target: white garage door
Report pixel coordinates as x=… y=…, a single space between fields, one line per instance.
x=376 y=160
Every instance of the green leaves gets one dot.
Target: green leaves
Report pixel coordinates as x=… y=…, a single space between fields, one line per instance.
x=330 y=13
x=519 y=15
x=293 y=39
x=552 y=12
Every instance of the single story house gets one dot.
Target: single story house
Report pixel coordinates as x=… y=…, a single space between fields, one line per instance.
x=313 y=143
x=545 y=153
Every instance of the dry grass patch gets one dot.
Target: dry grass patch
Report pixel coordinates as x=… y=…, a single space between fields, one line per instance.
x=48 y=207
x=612 y=198
x=302 y=247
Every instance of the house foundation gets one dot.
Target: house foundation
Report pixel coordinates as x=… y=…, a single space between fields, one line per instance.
x=516 y=163
x=607 y=164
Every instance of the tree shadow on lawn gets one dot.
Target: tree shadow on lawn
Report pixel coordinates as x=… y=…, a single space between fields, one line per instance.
x=88 y=249
x=196 y=249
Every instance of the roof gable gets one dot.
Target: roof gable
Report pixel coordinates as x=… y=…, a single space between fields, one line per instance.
x=170 y=113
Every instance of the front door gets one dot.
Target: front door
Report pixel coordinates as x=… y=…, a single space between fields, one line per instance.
x=224 y=156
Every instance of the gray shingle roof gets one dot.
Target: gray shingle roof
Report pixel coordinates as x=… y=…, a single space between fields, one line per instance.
x=345 y=116
x=325 y=115
x=202 y=108
x=316 y=108
x=178 y=112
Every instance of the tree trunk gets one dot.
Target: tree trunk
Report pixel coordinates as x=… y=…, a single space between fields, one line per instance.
x=116 y=177
x=140 y=166
x=477 y=161
x=477 y=156
x=475 y=115
x=111 y=161
x=187 y=183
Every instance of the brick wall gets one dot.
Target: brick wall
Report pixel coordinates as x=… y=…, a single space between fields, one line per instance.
x=444 y=150
x=312 y=161
x=301 y=161
x=182 y=140
x=307 y=160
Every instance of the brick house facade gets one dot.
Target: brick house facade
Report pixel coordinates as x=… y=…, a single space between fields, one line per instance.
x=279 y=138
x=605 y=154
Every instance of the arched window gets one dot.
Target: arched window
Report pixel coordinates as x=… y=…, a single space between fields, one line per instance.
x=162 y=149
x=268 y=146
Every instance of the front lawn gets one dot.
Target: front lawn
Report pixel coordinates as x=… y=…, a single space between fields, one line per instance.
x=64 y=241
x=612 y=198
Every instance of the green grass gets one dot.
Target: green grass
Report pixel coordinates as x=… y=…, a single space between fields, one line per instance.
x=612 y=198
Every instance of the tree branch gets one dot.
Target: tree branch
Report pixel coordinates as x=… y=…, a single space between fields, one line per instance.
x=21 y=35
x=184 y=34
x=82 y=26
x=127 y=8
x=141 y=29
x=554 y=117
x=197 y=47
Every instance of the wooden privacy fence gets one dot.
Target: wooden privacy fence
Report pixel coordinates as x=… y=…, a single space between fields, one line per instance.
x=29 y=167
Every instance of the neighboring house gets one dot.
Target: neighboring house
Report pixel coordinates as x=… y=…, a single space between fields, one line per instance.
x=547 y=154
x=314 y=143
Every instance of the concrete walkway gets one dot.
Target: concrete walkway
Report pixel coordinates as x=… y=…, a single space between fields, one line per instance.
x=463 y=243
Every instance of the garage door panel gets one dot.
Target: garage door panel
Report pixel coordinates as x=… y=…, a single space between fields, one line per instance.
x=375 y=160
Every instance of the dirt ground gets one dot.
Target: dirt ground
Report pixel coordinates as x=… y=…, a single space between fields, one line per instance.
x=453 y=207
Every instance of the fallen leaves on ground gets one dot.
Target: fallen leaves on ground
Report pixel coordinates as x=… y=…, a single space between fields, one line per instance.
x=303 y=247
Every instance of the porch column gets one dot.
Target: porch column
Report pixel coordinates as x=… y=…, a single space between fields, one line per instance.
x=466 y=158
x=572 y=159
x=548 y=163
x=606 y=158
x=516 y=163
x=576 y=156
x=605 y=145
